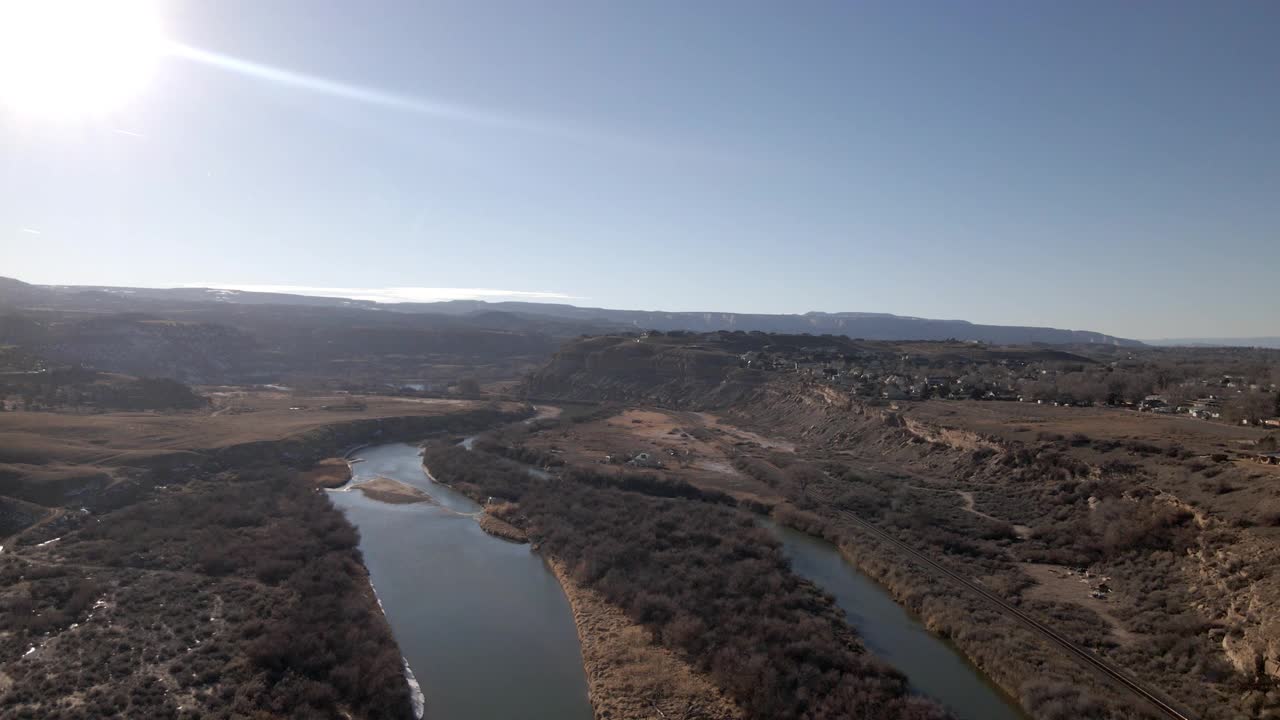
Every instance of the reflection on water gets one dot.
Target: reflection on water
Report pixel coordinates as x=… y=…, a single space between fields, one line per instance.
x=489 y=633
x=482 y=622
x=934 y=667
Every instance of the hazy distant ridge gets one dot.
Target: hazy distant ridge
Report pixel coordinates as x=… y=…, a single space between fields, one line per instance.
x=1259 y=342
x=870 y=326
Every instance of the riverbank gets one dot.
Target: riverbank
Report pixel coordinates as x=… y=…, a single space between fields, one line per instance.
x=493 y=609
x=627 y=675
x=496 y=526
x=329 y=473
x=934 y=603
x=936 y=668
x=253 y=565
x=1006 y=657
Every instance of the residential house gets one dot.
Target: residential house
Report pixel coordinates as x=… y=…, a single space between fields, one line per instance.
x=1268 y=458
x=1206 y=408
x=1152 y=403
x=893 y=392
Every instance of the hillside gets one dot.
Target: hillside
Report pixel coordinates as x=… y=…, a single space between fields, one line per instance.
x=871 y=326
x=537 y=316
x=204 y=341
x=719 y=369
x=1146 y=537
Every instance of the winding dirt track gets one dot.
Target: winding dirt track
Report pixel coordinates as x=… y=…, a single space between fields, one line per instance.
x=1092 y=661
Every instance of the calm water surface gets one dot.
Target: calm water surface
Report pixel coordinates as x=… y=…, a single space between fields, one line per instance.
x=489 y=633
x=934 y=667
x=483 y=623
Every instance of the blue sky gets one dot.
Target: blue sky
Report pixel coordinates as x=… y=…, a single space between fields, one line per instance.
x=1093 y=165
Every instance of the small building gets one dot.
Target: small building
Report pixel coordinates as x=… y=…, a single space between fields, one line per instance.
x=893 y=392
x=1152 y=403
x=644 y=460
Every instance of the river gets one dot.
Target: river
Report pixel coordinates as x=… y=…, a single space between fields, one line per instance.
x=934 y=667
x=482 y=622
x=487 y=629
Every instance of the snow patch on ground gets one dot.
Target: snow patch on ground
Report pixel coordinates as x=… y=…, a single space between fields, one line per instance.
x=415 y=691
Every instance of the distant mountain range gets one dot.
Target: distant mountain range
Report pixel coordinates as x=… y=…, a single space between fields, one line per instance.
x=870 y=326
x=1258 y=342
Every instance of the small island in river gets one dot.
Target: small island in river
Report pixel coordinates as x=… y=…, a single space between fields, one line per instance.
x=386 y=490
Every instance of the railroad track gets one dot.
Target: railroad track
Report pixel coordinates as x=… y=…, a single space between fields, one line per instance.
x=1104 y=668
x=1094 y=662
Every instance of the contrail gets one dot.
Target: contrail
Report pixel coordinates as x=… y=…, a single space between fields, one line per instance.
x=395 y=101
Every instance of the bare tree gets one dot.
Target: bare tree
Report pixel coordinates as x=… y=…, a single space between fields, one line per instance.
x=803 y=475
x=1250 y=407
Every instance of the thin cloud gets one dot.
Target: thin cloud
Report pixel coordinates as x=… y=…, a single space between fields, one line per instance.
x=441 y=110
x=130 y=133
x=30 y=231
x=396 y=294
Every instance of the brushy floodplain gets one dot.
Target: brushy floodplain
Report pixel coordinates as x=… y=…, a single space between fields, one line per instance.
x=238 y=596
x=703 y=579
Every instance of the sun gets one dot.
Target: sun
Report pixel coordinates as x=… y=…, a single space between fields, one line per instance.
x=75 y=59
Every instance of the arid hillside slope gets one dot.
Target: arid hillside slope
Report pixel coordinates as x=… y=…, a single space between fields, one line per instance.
x=1150 y=539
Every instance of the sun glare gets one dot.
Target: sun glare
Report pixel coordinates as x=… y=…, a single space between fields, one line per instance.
x=73 y=59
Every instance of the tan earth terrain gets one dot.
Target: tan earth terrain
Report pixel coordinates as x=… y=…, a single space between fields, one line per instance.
x=1148 y=540
x=628 y=677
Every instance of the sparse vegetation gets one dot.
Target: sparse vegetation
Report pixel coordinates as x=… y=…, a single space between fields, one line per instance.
x=243 y=593
x=704 y=580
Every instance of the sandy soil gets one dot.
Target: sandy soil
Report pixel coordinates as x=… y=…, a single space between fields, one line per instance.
x=1056 y=583
x=329 y=473
x=501 y=528
x=1010 y=420
x=737 y=434
x=392 y=491
x=688 y=448
x=546 y=412
x=630 y=678
x=1021 y=531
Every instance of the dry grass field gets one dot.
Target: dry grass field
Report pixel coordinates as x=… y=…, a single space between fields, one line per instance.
x=237 y=416
x=1143 y=537
x=695 y=447
x=46 y=455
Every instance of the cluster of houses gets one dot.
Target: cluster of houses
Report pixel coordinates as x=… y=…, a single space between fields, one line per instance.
x=894 y=377
x=646 y=460
x=898 y=377
x=1205 y=408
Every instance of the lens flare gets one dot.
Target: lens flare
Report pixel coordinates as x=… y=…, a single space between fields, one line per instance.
x=70 y=59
